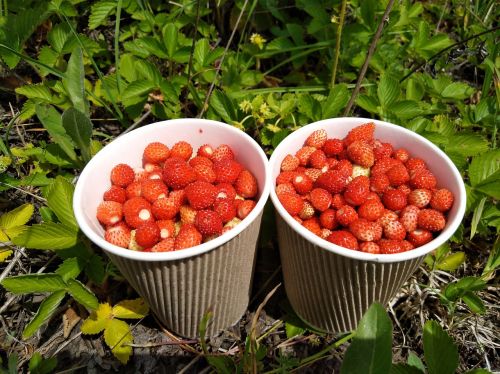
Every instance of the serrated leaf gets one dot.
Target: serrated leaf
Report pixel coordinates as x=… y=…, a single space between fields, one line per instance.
x=484 y=165
x=70 y=268
x=474 y=302
x=82 y=294
x=223 y=106
x=74 y=81
x=133 y=309
x=170 y=35
x=414 y=90
x=457 y=90
x=476 y=217
x=148 y=71
x=47 y=235
x=152 y=45
x=98 y=320
x=45 y=311
x=116 y=335
x=201 y=49
x=388 y=90
x=368 y=103
x=30 y=283
x=5 y=253
x=406 y=109
x=451 y=262
x=137 y=88
x=60 y=201
x=370 y=350
x=467 y=144
x=58 y=36
x=336 y=101
x=441 y=354
x=99 y=12
x=456 y=290
x=79 y=127
x=36 y=91
x=16 y=217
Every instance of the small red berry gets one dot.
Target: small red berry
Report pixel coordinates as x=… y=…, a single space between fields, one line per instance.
x=122 y=175
x=109 y=212
x=344 y=239
x=394 y=200
x=442 y=200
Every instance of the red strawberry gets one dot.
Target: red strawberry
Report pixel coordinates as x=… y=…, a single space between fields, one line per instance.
x=419 y=237
x=109 y=212
x=357 y=191
x=328 y=220
x=187 y=214
x=205 y=150
x=147 y=235
x=303 y=154
x=178 y=196
x=346 y=215
x=140 y=174
x=404 y=188
x=398 y=175
x=369 y=247
x=407 y=246
x=205 y=173
x=151 y=168
x=167 y=228
x=387 y=216
x=289 y=163
x=313 y=173
x=361 y=153
x=115 y=193
x=122 y=175
x=331 y=163
x=200 y=160
x=225 y=191
x=200 y=194
x=188 y=237
x=394 y=230
x=137 y=211
x=302 y=183
x=338 y=201
x=285 y=187
x=118 y=235
x=383 y=165
x=244 y=208
x=423 y=178
x=292 y=202
x=333 y=181
x=414 y=164
x=317 y=159
x=153 y=189
x=372 y=196
x=345 y=167
x=390 y=246
x=420 y=197
x=227 y=171
x=317 y=139
x=165 y=208
x=166 y=245
x=408 y=217
x=365 y=230
x=401 y=155
x=333 y=147
x=177 y=173
x=363 y=132
x=394 y=200
x=225 y=208
x=307 y=211
x=442 y=200
x=155 y=153
x=344 y=239
x=182 y=150
x=430 y=219
x=208 y=223
x=312 y=225
x=222 y=152
x=285 y=177
x=246 y=185
x=381 y=150
x=371 y=210
x=321 y=199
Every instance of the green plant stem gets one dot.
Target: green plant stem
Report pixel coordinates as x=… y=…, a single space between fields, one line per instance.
x=369 y=55
x=337 y=44
x=117 y=45
x=190 y=64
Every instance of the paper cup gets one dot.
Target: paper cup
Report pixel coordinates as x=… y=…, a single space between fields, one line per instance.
x=328 y=286
x=181 y=286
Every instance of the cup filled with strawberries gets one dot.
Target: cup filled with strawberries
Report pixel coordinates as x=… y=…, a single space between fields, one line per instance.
x=360 y=203
x=177 y=206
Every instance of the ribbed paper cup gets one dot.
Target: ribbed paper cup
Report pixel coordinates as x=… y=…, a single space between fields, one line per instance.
x=328 y=286
x=181 y=286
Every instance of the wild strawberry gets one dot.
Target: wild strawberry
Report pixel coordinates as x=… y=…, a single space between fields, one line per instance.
x=317 y=159
x=207 y=222
x=246 y=185
x=381 y=150
x=366 y=231
x=313 y=173
x=115 y=193
x=394 y=230
x=182 y=150
x=122 y=175
x=137 y=211
x=345 y=167
x=188 y=237
x=155 y=153
x=404 y=188
x=177 y=173
x=338 y=201
x=420 y=197
x=430 y=219
x=419 y=237
x=394 y=200
x=303 y=154
x=360 y=171
x=346 y=215
x=344 y=239
x=147 y=234
x=387 y=216
x=140 y=174
x=289 y=163
x=361 y=153
x=178 y=196
x=307 y=211
x=165 y=208
x=408 y=217
x=317 y=138
x=333 y=181
x=109 y=212
x=118 y=235
x=312 y=225
x=227 y=171
x=205 y=150
x=244 y=208
x=331 y=163
x=151 y=168
x=155 y=175
x=167 y=228
x=285 y=177
x=321 y=199
x=383 y=165
x=200 y=194
x=302 y=183
x=423 y=178
x=285 y=187
x=371 y=210
x=343 y=154
x=222 y=152
x=369 y=247
x=442 y=200
x=225 y=208
x=325 y=233
x=398 y=175
x=187 y=214
x=166 y=245
x=327 y=219
x=200 y=160
x=225 y=191
x=372 y=196
x=414 y=164
x=357 y=191
x=153 y=190
x=363 y=132
x=390 y=246
x=401 y=154
x=292 y=202
x=205 y=173
x=333 y=147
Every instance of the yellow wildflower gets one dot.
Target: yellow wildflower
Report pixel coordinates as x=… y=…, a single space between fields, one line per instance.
x=258 y=40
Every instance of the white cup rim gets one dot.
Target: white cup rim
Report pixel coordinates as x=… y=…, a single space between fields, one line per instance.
x=173 y=255
x=449 y=230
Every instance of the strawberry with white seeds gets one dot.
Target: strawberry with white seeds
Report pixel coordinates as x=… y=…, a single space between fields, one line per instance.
x=334 y=181
x=312 y=225
x=394 y=230
x=328 y=219
x=430 y=219
x=333 y=147
x=394 y=200
x=369 y=247
x=303 y=154
x=420 y=197
x=289 y=163
x=200 y=194
x=153 y=189
x=246 y=185
x=419 y=237
x=182 y=150
x=165 y=208
x=166 y=245
x=346 y=215
x=363 y=132
x=177 y=173
x=317 y=139
x=442 y=200
x=115 y=193
x=371 y=210
x=318 y=160
x=187 y=214
x=302 y=183
x=423 y=178
x=244 y=208
x=357 y=190
x=227 y=171
x=225 y=208
x=155 y=153
x=365 y=230
x=208 y=223
x=222 y=152
x=361 y=153
x=118 y=235
x=307 y=211
x=408 y=217
x=321 y=199
x=292 y=202
x=109 y=212
x=167 y=228
x=225 y=191
x=391 y=246
x=187 y=237
x=344 y=239
x=401 y=155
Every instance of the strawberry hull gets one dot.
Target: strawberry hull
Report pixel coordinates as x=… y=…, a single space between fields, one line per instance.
x=329 y=286
x=181 y=286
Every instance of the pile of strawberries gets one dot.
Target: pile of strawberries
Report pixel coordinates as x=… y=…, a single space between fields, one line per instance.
x=175 y=201
x=361 y=193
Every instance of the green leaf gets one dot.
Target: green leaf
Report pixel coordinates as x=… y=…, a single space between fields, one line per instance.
x=30 y=283
x=16 y=217
x=368 y=103
x=370 y=350
x=79 y=128
x=441 y=354
x=478 y=371
x=414 y=90
x=45 y=311
x=74 y=81
x=457 y=90
x=483 y=166
x=493 y=259
x=223 y=106
x=99 y=12
x=47 y=235
x=60 y=201
x=58 y=36
x=336 y=101
x=70 y=268
x=474 y=302
x=95 y=269
x=406 y=109
x=39 y=365
x=138 y=88
x=82 y=294
x=388 y=90
x=201 y=50
x=36 y=91
x=467 y=144
x=456 y=290
x=415 y=361
x=476 y=217
x=170 y=35
x=293 y=330
x=152 y=45
x=451 y=262
x=116 y=335
x=221 y=364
